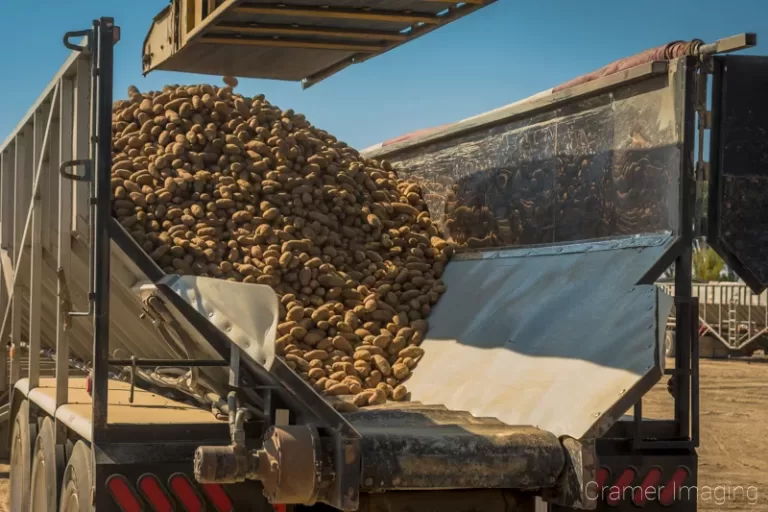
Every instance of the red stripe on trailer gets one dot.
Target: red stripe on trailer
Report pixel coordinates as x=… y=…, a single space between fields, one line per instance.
x=650 y=481
x=155 y=494
x=185 y=492
x=670 y=491
x=619 y=487
x=218 y=497
x=123 y=494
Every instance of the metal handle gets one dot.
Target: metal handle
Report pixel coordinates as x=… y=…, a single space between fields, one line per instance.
x=86 y=176
x=77 y=33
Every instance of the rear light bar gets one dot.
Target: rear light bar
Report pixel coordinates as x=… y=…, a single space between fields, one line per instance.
x=653 y=486
x=155 y=494
x=183 y=489
x=123 y=494
x=218 y=496
x=183 y=492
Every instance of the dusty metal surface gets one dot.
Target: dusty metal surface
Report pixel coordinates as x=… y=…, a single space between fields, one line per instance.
x=413 y=446
x=305 y=40
x=246 y=313
x=604 y=166
x=738 y=211
x=563 y=342
x=147 y=408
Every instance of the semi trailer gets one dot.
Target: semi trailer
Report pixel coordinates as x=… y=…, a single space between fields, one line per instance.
x=166 y=392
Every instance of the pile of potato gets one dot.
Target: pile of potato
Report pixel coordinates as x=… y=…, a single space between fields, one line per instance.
x=213 y=183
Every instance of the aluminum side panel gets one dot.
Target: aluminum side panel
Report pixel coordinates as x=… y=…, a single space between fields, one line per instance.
x=561 y=341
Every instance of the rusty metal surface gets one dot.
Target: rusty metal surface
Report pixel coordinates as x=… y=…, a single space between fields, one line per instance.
x=565 y=342
x=413 y=446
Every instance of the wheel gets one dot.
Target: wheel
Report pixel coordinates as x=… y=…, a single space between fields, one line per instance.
x=669 y=344
x=47 y=469
x=21 y=459
x=77 y=481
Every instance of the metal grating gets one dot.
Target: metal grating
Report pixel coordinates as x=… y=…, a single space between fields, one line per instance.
x=305 y=40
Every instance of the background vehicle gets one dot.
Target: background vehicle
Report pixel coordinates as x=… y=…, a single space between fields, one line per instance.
x=542 y=363
x=732 y=318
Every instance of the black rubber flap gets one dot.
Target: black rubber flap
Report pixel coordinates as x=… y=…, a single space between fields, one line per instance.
x=738 y=189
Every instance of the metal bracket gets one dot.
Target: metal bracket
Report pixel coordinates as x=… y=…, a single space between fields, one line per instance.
x=86 y=176
x=78 y=33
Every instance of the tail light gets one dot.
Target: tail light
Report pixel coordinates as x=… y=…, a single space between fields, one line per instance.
x=674 y=485
x=185 y=492
x=123 y=494
x=218 y=497
x=155 y=494
x=280 y=508
x=619 y=487
x=647 y=490
x=650 y=481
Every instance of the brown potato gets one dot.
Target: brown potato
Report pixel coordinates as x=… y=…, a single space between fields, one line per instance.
x=213 y=183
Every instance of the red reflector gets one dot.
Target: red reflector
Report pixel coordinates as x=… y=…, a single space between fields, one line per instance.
x=280 y=508
x=218 y=497
x=616 y=492
x=182 y=488
x=88 y=384
x=670 y=491
x=155 y=494
x=602 y=477
x=647 y=488
x=123 y=494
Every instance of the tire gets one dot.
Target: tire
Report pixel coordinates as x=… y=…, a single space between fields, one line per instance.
x=77 y=481
x=669 y=344
x=21 y=459
x=47 y=470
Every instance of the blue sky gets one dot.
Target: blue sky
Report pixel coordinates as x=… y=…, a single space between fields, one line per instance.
x=503 y=53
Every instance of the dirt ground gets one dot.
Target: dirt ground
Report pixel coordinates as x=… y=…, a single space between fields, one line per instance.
x=733 y=456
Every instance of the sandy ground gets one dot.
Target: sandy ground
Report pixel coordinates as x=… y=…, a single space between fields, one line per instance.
x=733 y=461
x=733 y=456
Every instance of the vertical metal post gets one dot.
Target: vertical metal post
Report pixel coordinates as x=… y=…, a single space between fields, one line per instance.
x=104 y=30
x=6 y=268
x=683 y=264
x=64 y=214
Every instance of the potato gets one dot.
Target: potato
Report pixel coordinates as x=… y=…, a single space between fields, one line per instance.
x=212 y=183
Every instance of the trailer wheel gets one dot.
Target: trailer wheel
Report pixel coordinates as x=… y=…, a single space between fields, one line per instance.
x=47 y=469
x=21 y=448
x=77 y=481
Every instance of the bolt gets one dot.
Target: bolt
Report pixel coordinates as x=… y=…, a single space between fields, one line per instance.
x=596 y=415
x=623 y=391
